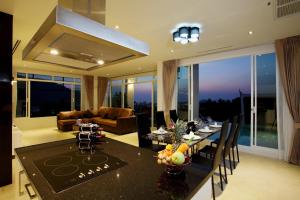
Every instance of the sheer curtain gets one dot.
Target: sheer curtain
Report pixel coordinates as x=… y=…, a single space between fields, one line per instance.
x=288 y=55
x=89 y=89
x=102 y=88
x=286 y=127
x=169 y=81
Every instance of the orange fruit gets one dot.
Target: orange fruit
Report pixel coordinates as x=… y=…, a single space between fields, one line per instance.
x=167 y=153
x=183 y=147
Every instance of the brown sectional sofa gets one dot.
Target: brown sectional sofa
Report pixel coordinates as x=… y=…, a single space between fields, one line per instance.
x=115 y=120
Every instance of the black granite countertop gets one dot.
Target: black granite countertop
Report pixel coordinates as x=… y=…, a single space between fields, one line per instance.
x=140 y=178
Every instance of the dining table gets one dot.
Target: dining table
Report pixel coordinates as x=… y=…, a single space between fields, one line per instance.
x=168 y=136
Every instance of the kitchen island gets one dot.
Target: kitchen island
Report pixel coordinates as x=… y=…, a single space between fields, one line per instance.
x=114 y=170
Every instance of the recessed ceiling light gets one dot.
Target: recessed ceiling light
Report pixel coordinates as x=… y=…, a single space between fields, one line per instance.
x=172 y=51
x=107 y=74
x=100 y=62
x=54 y=52
x=117 y=27
x=250 y=32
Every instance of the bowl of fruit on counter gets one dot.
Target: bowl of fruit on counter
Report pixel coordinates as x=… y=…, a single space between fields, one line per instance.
x=174 y=157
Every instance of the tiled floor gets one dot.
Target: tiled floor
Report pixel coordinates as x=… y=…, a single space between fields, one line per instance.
x=256 y=178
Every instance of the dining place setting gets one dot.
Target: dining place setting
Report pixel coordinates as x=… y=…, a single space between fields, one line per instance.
x=192 y=132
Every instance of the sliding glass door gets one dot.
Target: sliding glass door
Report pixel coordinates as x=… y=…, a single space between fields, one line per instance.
x=138 y=93
x=240 y=85
x=225 y=91
x=264 y=115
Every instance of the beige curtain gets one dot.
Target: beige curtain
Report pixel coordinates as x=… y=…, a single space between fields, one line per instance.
x=102 y=87
x=169 y=81
x=89 y=88
x=288 y=55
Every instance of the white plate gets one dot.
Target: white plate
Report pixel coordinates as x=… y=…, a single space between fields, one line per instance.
x=160 y=132
x=205 y=130
x=215 y=125
x=188 y=137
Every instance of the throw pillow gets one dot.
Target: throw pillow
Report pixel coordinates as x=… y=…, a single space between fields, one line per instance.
x=87 y=114
x=102 y=113
x=113 y=114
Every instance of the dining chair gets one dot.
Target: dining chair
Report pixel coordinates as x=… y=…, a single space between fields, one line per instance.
x=143 y=128
x=214 y=163
x=228 y=144
x=173 y=115
x=210 y=149
x=235 y=140
x=160 y=119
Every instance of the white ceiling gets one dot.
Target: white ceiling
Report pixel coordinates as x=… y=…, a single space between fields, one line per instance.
x=225 y=24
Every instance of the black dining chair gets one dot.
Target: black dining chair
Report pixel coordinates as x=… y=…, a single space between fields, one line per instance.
x=214 y=163
x=143 y=128
x=160 y=119
x=210 y=149
x=173 y=115
x=235 y=140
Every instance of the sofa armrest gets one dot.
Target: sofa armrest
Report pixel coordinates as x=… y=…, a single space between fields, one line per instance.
x=127 y=123
x=57 y=119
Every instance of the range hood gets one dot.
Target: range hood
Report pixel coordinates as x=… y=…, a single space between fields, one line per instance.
x=80 y=43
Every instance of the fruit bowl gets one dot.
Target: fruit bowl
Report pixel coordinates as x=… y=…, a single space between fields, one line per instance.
x=175 y=158
x=173 y=169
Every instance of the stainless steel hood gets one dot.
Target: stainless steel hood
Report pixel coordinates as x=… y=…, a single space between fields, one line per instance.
x=81 y=42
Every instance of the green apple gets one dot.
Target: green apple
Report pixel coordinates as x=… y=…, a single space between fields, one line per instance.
x=178 y=158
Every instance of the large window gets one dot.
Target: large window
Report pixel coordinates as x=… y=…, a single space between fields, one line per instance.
x=143 y=98
x=116 y=93
x=137 y=93
x=225 y=91
x=183 y=92
x=240 y=85
x=266 y=131
x=21 y=99
x=77 y=98
x=41 y=95
x=48 y=99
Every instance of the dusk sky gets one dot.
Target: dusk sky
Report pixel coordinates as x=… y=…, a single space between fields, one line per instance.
x=224 y=78
x=220 y=79
x=143 y=92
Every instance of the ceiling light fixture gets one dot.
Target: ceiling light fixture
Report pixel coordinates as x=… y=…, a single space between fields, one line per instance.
x=186 y=34
x=250 y=32
x=117 y=27
x=54 y=52
x=100 y=62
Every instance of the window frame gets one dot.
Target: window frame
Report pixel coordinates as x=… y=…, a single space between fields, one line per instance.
x=136 y=78
x=28 y=90
x=251 y=51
